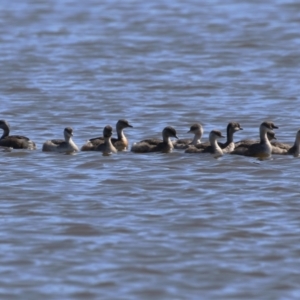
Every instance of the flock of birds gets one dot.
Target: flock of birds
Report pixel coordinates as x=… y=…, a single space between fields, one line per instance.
x=262 y=148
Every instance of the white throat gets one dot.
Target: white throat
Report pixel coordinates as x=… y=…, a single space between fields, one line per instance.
x=197 y=139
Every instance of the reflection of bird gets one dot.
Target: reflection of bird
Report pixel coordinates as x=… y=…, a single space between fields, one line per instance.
x=63 y=146
x=5 y=149
x=14 y=141
x=120 y=143
x=156 y=145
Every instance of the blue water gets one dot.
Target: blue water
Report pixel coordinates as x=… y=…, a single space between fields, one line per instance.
x=167 y=226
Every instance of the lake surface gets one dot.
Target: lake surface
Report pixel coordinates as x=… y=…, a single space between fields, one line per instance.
x=149 y=226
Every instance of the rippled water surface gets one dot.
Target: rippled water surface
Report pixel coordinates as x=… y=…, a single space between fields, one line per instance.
x=149 y=226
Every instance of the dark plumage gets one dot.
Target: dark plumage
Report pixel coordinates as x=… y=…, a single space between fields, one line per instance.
x=227 y=147
x=156 y=145
x=14 y=141
x=261 y=149
x=120 y=143
x=107 y=147
x=213 y=146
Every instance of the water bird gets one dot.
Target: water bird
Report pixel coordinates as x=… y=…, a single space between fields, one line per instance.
x=262 y=149
x=107 y=147
x=197 y=130
x=295 y=149
x=62 y=146
x=14 y=141
x=213 y=146
x=156 y=145
x=247 y=142
x=120 y=143
x=284 y=148
x=227 y=147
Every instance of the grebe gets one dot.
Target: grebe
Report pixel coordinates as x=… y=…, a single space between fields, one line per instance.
x=263 y=149
x=63 y=146
x=213 y=148
x=14 y=141
x=295 y=149
x=156 y=145
x=229 y=145
x=277 y=147
x=197 y=130
x=247 y=142
x=107 y=147
x=120 y=143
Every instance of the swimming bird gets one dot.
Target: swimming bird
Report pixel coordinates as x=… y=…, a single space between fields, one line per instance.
x=283 y=148
x=213 y=148
x=277 y=147
x=197 y=130
x=63 y=146
x=156 y=145
x=263 y=149
x=14 y=141
x=107 y=147
x=120 y=143
x=248 y=142
x=295 y=149
x=229 y=145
